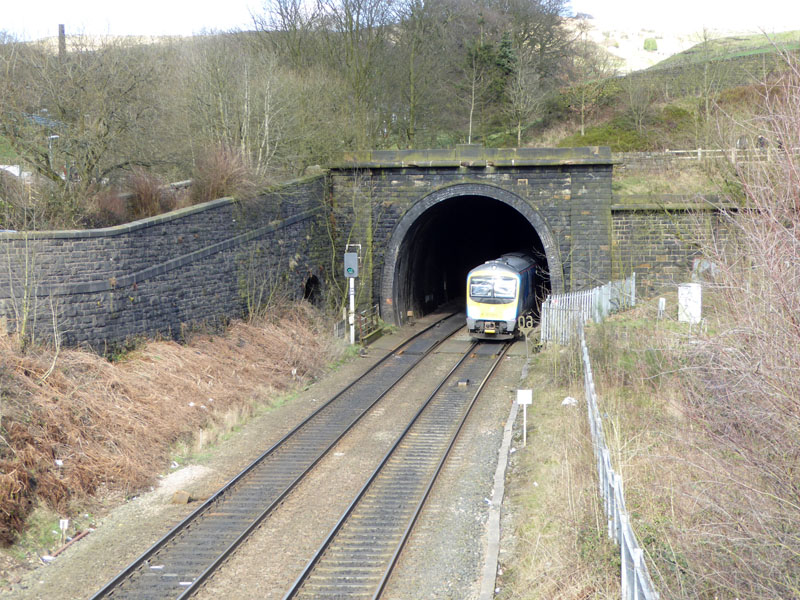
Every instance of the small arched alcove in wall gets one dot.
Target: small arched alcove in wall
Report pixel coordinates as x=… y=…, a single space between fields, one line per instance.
x=312 y=291
x=450 y=231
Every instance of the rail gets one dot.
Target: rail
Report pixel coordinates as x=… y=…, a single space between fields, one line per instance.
x=563 y=314
x=359 y=554
x=739 y=153
x=734 y=154
x=636 y=583
x=173 y=567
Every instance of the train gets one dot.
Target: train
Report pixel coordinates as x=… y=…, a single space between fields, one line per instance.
x=498 y=292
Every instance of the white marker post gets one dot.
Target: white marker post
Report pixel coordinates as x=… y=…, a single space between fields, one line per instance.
x=524 y=397
x=352 y=310
x=351 y=272
x=63 y=525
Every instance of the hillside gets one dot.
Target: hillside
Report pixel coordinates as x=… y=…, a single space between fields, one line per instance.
x=703 y=96
x=681 y=46
x=732 y=47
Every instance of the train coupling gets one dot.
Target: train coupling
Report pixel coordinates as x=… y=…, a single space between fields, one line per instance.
x=491 y=327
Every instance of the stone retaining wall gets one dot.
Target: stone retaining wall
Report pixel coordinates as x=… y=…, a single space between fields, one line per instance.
x=659 y=237
x=163 y=274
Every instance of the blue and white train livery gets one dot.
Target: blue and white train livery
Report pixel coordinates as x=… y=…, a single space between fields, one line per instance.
x=498 y=292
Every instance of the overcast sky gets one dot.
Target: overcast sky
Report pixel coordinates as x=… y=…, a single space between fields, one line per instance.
x=33 y=19
x=694 y=15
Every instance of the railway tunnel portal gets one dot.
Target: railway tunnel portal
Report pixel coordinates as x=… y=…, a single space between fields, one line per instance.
x=433 y=215
x=435 y=245
x=423 y=218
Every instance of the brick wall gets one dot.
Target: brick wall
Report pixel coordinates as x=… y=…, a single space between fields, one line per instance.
x=163 y=274
x=565 y=193
x=660 y=237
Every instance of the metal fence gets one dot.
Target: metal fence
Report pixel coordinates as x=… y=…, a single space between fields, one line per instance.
x=635 y=578
x=367 y=322
x=340 y=329
x=563 y=314
x=756 y=153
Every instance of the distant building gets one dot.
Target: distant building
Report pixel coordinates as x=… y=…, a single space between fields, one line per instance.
x=16 y=171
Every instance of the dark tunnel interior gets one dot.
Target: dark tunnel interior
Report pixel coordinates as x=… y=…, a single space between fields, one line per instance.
x=449 y=240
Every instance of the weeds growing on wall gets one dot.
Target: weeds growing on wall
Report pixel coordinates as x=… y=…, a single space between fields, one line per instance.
x=221 y=172
x=147 y=197
x=263 y=279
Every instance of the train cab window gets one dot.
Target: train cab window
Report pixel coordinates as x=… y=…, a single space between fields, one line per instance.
x=493 y=290
x=505 y=287
x=480 y=287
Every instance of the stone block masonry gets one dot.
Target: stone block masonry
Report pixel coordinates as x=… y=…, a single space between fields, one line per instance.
x=589 y=236
x=165 y=274
x=565 y=193
x=211 y=262
x=660 y=237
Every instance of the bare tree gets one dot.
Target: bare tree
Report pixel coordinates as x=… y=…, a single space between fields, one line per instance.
x=354 y=33
x=290 y=27
x=526 y=94
x=83 y=119
x=322 y=122
x=639 y=93
x=418 y=37
x=591 y=68
x=75 y=119
x=235 y=99
x=707 y=75
x=748 y=389
x=537 y=28
x=476 y=78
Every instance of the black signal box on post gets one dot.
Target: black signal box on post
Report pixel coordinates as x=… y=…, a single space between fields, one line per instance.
x=351 y=264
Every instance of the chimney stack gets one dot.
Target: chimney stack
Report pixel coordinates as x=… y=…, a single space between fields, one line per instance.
x=62 y=42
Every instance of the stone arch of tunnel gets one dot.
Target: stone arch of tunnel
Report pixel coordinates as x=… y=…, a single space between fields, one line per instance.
x=452 y=230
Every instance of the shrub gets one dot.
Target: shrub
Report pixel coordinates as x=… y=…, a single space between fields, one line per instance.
x=219 y=173
x=26 y=205
x=114 y=425
x=674 y=127
x=13 y=202
x=145 y=188
x=618 y=134
x=739 y=97
x=106 y=209
x=650 y=44
x=747 y=386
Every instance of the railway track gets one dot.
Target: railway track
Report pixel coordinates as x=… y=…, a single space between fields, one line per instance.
x=177 y=565
x=357 y=558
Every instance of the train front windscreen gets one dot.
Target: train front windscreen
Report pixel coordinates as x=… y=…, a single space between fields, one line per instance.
x=493 y=290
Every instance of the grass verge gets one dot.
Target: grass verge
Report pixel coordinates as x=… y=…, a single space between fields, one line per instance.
x=560 y=547
x=93 y=428
x=709 y=513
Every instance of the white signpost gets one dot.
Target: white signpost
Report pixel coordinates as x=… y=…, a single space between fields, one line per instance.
x=690 y=303
x=351 y=272
x=524 y=397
